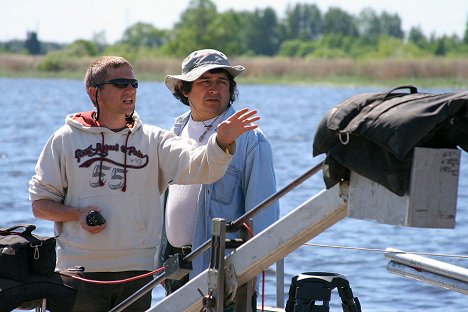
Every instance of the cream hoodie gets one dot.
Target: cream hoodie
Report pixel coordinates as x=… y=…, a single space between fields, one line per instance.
x=124 y=173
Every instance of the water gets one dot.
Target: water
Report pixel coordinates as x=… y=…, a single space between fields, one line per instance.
x=34 y=108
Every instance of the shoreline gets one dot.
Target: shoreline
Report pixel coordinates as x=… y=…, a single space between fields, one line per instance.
x=344 y=81
x=422 y=73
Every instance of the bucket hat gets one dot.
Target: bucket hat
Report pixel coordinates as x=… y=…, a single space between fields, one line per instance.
x=200 y=61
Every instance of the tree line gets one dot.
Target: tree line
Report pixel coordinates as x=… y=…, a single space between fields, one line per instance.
x=304 y=31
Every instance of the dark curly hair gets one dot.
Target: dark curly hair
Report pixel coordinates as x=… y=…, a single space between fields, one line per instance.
x=186 y=87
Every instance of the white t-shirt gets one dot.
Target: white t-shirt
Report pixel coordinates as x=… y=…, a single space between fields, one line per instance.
x=182 y=200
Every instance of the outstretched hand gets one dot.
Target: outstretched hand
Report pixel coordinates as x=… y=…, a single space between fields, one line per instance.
x=230 y=129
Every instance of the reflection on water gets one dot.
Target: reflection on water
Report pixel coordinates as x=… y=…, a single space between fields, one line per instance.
x=34 y=108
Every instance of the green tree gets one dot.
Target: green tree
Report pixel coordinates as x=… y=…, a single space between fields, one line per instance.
x=297 y=48
x=290 y=48
x=465 y=36
x=362 y=47
x=80 y=48
x=54 y=61
x=226 y=33
x=417 y=37
x=337 y=21
x=262 y=32
x=440 y=47
x=369 y=24
x=32 y=44
x=14 y=46
x=391 y=47
x=337 y=42
x=452 y=44
x=391 y=25
x=191 y=32
x=303 y=21
x=122 y=49
x=144 y=35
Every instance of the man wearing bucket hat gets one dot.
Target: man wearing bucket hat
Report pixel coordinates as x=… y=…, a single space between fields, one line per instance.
x=208 y=87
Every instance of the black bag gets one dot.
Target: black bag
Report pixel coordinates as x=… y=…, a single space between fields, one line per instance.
x=23 y=253
x=58 y=290
x=374 y=134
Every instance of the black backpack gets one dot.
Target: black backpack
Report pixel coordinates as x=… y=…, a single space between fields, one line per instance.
x=374 y=134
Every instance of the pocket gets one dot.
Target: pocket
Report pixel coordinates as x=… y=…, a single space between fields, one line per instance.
x=224 y=188
x=126 y=224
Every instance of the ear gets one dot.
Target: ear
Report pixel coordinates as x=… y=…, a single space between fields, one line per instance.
x=92 y=94
x=179 y=85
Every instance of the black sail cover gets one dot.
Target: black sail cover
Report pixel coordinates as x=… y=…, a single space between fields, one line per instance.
x=374 y=134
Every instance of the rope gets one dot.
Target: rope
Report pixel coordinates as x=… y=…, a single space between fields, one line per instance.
x=130 y=279
x=385 y=251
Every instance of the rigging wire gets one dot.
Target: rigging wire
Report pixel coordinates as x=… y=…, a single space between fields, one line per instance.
x=384 y=251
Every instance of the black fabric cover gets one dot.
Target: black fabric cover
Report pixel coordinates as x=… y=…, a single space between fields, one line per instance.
x=23 y=253
x=59 y=291
x=374 y=134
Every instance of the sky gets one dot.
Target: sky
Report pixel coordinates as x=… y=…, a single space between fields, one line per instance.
x=65 y=21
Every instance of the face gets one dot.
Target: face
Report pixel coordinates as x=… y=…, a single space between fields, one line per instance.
x=209 y=96
x=114 y=102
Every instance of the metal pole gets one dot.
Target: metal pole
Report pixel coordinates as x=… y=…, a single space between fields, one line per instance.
x=234 y=226
x=198 y=251
x=431 y=271
x=280 y=283
x=428 y=277
x=148 y=287
x=216 y=269
x=426 y=264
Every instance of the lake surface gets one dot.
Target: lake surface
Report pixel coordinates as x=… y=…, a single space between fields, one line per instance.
x=34 y=108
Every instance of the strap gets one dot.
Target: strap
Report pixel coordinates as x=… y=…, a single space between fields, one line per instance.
x=185 y=250
x=292 y=295
x=28 y=228
x=349 y=303
x=411 y=88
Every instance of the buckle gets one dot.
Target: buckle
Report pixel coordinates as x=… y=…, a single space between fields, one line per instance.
x=185 y=250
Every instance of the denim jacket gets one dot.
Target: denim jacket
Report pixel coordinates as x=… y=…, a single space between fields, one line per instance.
x=249 y=179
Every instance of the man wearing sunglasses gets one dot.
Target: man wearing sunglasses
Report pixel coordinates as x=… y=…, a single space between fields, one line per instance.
x=207 y=86
x=100 y=176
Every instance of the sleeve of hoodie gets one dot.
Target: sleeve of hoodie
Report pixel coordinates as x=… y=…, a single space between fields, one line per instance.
x=49 y=180
x=182 y=162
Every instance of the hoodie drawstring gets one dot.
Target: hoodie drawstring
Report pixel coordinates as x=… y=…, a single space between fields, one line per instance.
x=124 y=187
x=101 y=183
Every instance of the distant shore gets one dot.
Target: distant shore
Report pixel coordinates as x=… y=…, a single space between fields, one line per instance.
x=423 y=73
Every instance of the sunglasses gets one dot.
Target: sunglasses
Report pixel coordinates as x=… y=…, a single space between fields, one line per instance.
x=121 y=83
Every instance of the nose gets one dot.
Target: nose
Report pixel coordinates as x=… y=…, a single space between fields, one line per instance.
x=214 y=87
